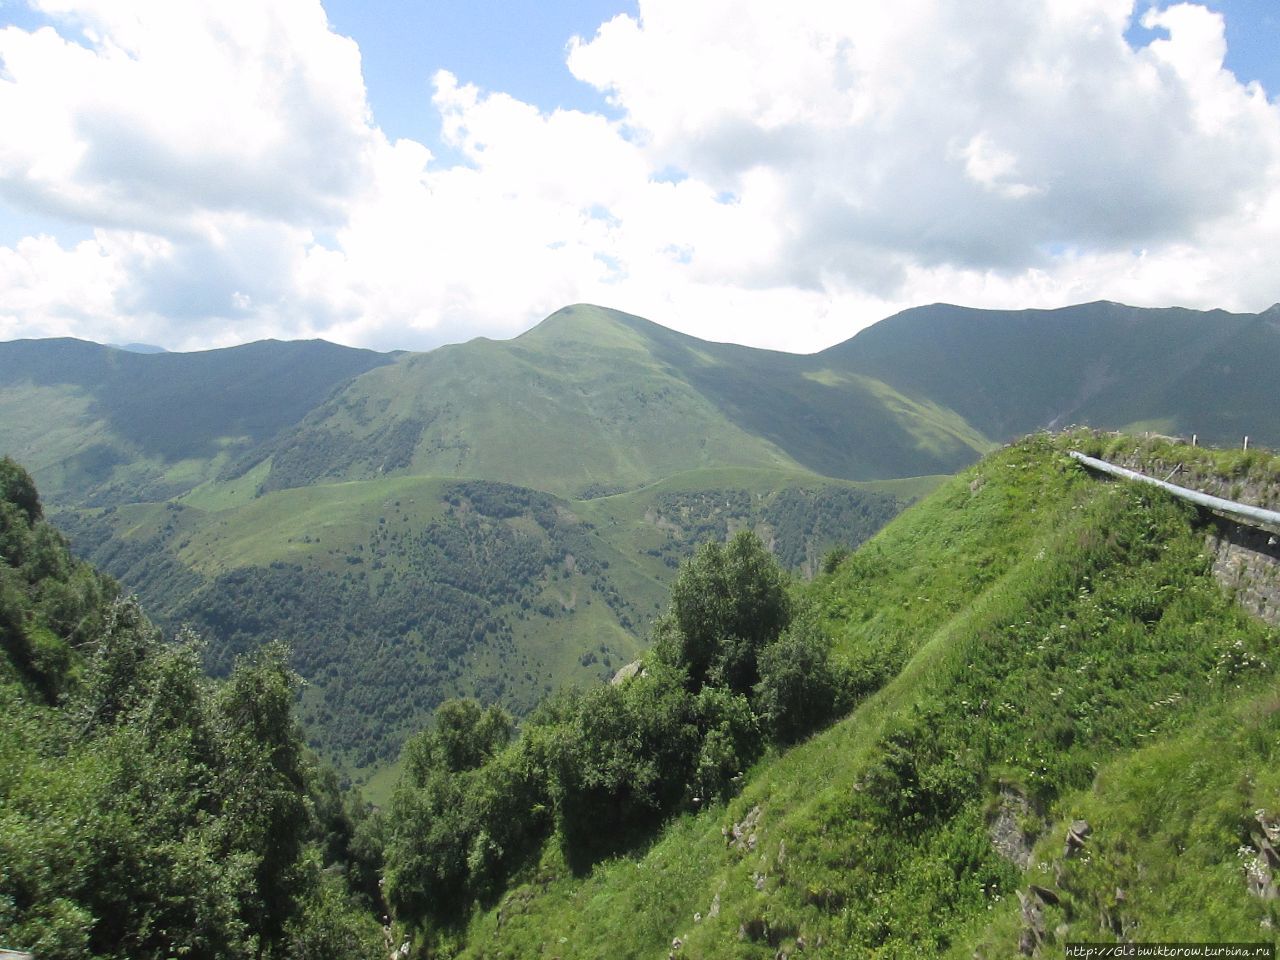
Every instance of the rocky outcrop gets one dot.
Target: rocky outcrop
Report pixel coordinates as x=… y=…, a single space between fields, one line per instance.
x=1246 y=561
x=1007 y=827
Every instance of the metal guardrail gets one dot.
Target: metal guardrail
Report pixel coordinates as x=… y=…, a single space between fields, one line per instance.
x=1241 y=511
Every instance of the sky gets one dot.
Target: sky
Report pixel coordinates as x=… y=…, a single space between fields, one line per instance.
x=405 y=173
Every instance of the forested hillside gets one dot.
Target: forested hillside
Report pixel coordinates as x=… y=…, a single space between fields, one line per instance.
x=1057 y=727
x=145 y=811
x=396 y=595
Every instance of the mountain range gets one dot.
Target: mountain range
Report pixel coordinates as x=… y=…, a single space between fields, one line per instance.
x=495 y=518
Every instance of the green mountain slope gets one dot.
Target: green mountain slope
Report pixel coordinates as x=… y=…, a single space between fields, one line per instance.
x=252 y=490
x=1104 y=364
x=595 y=401
x=1039 y=647
x=103 y=425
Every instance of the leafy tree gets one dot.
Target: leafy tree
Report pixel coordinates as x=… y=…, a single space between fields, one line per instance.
x=799 y=688
x=726 y=604
x=462 y=805
x=730 y=742
x=146 y=811
x=17 y=488
x=265 y=811
x=835 y=556
x=466 y=735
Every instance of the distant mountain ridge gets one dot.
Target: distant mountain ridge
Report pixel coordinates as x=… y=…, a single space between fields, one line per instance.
x=1104 y=364
x=105 y=425
x=595 y=400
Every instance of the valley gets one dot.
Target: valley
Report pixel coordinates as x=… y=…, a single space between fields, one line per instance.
x=499 y=518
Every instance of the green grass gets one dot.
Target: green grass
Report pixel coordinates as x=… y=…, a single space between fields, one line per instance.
x=105 y=426
x=312 y=523
x=1168 y=822
x=1031 y=625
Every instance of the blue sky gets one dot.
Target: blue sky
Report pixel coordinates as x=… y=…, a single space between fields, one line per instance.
x=402 y=174
x=517 y=46
x=1253 y=39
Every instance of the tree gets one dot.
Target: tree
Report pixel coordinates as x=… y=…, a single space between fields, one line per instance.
x=17 y=487
x=265 y=812
x=726 y=603
x=799 y=688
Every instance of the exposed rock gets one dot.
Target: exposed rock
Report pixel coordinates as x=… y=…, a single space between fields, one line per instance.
x=1262 y=839
x=1076 y=836
x=715 y=907
x=1269 y=823
x=1005 y=827
x=633 y=669
x=1246 y=561
x=1258 y=876
x=1033 y=929
x=1046 y=895
x=742 y=834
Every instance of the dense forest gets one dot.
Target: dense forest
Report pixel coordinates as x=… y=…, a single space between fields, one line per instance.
x=409 y=614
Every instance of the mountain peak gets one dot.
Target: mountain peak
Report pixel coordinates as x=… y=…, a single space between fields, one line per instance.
x=585 y=324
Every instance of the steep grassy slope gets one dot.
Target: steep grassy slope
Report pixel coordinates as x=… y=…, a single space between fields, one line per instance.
x=1039 y=646
x=398 y=593
x=105 y=425
x=594 y=401
x=1105 y=364
x=834 y=421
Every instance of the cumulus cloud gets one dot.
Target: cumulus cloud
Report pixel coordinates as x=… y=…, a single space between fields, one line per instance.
x=153 y=113
x=781 y=174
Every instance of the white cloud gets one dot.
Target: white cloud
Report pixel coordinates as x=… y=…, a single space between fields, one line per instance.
x=782 y=173
x=158 y=112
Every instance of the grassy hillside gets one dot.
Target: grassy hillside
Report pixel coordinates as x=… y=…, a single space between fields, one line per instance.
x=398 y=593
x=106 y=425
x=593 y=402
x=1036 y=647
x=1105 y=364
